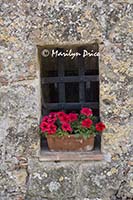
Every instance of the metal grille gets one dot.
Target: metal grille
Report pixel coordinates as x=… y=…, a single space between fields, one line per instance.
x=87 y=86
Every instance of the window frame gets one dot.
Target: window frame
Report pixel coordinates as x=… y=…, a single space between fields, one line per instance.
x=61 y=80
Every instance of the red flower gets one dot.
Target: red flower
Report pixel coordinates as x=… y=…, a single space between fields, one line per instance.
x=51 y=129
x=44 y=126
x=73 y=117
x=45 y=119
x=63 y=117
x=86 y=111
x=52 y=117
x=66 y=127
x=60 y=114
x=100 y=126
x=87 y=123
x=51 y=120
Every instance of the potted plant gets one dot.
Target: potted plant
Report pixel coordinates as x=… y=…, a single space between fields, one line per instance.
x=72 y=131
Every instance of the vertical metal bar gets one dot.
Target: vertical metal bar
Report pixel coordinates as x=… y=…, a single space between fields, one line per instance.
x=61 y=75
x=81 y=74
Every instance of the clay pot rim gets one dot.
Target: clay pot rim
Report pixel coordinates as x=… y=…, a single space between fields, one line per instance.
x=69 y=136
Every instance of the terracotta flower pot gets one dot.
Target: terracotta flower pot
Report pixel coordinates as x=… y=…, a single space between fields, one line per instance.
x=70 y=143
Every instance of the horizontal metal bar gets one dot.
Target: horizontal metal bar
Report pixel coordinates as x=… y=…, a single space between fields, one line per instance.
x=70 y=79
x=59 y=106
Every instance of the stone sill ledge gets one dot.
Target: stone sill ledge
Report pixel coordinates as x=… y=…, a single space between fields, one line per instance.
x=71 y=156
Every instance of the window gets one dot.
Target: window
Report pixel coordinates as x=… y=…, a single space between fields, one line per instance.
x=69 y=82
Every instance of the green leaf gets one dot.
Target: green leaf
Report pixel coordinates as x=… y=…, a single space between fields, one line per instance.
x=85 y=136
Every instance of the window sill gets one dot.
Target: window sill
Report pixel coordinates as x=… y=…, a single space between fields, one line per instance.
x=71 y=156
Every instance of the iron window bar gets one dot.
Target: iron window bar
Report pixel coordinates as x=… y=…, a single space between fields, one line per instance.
x=71 y=106
x=84 y=78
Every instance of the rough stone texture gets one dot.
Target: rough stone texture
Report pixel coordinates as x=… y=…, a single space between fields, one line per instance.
x=26 y=24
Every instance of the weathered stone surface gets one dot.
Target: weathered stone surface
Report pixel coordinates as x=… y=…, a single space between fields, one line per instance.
x=26 y=24
x=19 y=118
x=93 y=178
x=52 y=182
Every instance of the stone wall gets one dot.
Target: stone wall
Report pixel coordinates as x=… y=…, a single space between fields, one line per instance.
x=26 y=24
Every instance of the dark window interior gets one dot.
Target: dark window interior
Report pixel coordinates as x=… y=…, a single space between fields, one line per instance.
x=70 y=84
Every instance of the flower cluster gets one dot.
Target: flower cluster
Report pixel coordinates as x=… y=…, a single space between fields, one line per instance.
x=61 y=123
